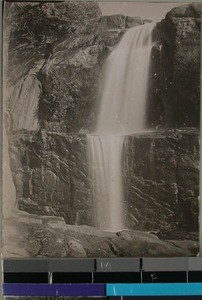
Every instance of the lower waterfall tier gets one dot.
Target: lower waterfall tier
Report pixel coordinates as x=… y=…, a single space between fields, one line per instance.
x=160 y=174
x=105 y=174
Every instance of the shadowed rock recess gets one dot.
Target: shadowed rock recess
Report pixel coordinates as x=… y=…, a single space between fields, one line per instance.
x=56 y=53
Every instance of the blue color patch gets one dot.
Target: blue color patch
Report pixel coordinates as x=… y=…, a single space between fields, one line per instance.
x=154 y=289
x=10 y=289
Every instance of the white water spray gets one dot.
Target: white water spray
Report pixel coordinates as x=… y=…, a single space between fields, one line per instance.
x=122 y=112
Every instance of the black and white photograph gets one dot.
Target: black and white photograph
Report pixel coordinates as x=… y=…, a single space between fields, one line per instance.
x=101 y=127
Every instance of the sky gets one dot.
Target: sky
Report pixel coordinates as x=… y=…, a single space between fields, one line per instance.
x=152 y=11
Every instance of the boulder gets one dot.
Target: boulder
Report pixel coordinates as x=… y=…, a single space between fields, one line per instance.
x=192 y=10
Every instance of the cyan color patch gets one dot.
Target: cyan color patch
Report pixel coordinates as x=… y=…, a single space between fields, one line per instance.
x=154 y=289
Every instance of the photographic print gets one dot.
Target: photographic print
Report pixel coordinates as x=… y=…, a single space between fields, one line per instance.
x=101 y=116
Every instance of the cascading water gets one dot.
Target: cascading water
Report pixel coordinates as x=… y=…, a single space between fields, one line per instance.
x=105 y=166
x=122 y=112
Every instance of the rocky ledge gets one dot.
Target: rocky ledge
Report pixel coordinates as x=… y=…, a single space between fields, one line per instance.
x=35 y=236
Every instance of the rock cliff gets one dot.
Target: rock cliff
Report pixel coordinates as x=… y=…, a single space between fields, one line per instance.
x=180 y=35
x=161 y=180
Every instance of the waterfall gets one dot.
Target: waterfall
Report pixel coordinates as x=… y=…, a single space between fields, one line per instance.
x=105 y=165
x=122 y=111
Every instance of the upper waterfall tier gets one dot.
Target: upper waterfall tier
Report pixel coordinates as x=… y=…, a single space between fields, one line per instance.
x=125 y=83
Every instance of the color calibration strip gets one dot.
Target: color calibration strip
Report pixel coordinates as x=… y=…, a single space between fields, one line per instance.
x=98 y=290
x=113 y=278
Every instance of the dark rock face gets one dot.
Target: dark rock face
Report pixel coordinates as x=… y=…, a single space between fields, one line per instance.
x=179 y=97
x=50 y=172
x=161 y=175
x=33 y=25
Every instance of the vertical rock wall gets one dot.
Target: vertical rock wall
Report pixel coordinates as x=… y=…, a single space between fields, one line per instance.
x=161 y=180
x=180 y=34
